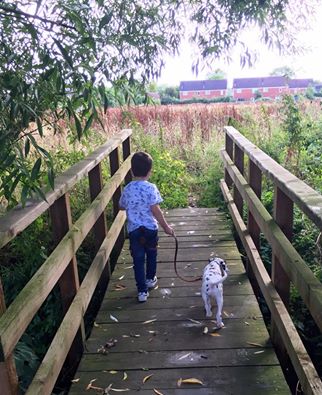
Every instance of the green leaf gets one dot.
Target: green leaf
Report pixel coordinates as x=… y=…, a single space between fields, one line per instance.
x=88 y=123
x=27 y=147
x=65 y=54
x=78 y=125
x=35 y=170
x=51 y=177
x=39 y=126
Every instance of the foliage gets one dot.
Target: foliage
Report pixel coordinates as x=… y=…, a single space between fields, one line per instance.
x=217 y=74
x=69 y=51
x=284 y=71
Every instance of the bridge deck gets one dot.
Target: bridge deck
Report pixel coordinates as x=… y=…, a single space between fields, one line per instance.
x=147 y=347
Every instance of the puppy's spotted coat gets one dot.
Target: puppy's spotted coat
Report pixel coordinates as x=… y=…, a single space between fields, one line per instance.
x=214 y=274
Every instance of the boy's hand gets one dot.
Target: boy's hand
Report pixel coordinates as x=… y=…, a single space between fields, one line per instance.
x=168 y=230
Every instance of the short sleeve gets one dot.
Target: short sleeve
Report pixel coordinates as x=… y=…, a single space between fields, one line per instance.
x=155 y=196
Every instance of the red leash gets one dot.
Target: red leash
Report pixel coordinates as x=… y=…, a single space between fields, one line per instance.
x=188 y=280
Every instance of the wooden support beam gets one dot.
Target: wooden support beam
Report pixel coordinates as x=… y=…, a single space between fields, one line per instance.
x=8 y=375
x=229 y=147
x=239 y=162
x=306 y=372
x=114 y=166
x=61 y=220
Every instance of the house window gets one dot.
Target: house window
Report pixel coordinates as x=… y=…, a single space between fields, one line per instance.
x=221 y=92
x=265 y=89
x=239 y=91
x=185 y=93
x=207 y=92
x=254 y=90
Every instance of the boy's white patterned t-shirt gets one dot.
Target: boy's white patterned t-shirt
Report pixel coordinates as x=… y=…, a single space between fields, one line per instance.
x=137 y=199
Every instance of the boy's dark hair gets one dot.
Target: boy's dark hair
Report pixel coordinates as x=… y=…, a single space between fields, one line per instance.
x=141 y=164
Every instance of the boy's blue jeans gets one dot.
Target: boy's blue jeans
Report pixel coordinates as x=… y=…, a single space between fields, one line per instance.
x=143 y=245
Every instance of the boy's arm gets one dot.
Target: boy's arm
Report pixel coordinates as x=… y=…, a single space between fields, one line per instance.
x=158 y=215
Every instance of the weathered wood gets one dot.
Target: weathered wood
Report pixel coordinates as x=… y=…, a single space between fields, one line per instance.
x=19 y=218
x=166 y=334
x=49 y=369
x=229 y=146
x=19 y=314
x=309 y=378
x=126 y=148
x=61 y=220
x=306 y=198
x=216 y=380
x=114 y=166
x=297 y=270
x=239 y=162
x=8 y=374
x=255 y=182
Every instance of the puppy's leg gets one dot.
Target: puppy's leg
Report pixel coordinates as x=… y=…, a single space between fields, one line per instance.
x=220 y=302
x=207 y=303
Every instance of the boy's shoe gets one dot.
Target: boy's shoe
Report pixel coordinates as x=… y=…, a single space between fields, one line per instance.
x=143 y=296
x=151 y=283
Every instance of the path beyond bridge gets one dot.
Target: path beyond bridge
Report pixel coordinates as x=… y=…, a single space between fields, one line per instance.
x=147 y=348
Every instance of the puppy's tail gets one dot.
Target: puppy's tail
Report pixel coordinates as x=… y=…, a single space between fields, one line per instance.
x=221 y=280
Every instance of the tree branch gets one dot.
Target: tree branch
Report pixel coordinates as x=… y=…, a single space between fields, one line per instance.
x=19 y=13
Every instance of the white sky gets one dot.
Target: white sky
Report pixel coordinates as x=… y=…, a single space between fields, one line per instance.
x=308 y=65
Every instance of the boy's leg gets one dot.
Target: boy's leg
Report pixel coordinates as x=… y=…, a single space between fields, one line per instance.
x=151 y=249
x=138 y=255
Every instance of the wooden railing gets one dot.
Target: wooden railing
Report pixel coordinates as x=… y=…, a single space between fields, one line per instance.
x=287 y=265
x=61 y=266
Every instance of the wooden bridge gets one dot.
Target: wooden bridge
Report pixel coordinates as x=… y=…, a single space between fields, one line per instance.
x=166 y=345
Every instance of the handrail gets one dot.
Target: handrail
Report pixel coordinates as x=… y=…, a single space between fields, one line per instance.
x=307 y=199
x=16 y=220
x=287 y=264
x=61 y=266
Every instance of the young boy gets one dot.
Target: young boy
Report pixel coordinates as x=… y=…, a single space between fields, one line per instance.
x=141 y=199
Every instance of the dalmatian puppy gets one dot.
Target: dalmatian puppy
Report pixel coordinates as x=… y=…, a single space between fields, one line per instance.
x=214 y=274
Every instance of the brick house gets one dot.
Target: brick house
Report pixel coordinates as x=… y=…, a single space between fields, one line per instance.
x=296 y=86
x=206 y=89
x=268 y=87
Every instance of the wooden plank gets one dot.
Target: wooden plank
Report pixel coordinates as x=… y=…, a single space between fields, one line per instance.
x=97 y=360
x=19 y=218
x=306 y=198
x=244 y=303
x=49 y=369
x=309 y=378
x=19 y=314
x=8 y=375
x=297 y=270
x=247 y=311
x=185 y=334
x=268 y=380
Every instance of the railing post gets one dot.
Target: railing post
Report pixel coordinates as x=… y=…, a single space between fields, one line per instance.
x=283 y=215
x=229 y=149
x=239 y=162
x=100 y=228
x=61 y=220
x=126 y=147
x=114 y=166
x=255 y=182
x=8 y=374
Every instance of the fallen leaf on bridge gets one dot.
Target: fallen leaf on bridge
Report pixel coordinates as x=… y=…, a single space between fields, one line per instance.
x=184 y=356
x=75 y=380
x=157 y=392
x=113 y=318
x=149 y=321
x=194 y=321
x=255 y=344
x=119 y=287
x=189 y=381
x=146 y=378
x=124 y=376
